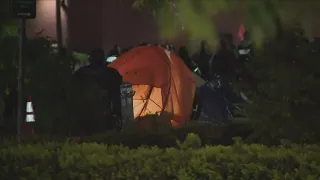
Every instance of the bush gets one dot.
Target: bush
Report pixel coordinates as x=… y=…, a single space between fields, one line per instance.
x=283 y=82
x=93 y=161
x=192 y=141
x=133 y=137
x=209 y=134
x=63 y=105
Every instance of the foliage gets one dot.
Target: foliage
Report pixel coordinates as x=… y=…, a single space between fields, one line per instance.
x=133 y=136
x=8 y=66
x=262 y=18
x=68 y=160
x=61 y=101
x=149 y=123
x=65 y=104
x=192 y=141
x=80 y=57
x=49 y=78
x=263 y=132
x=8 y=26
x=283 y=82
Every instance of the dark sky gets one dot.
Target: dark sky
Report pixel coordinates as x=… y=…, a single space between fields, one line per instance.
x=104 y=23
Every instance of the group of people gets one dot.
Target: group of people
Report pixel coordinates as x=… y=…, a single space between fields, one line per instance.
x=218 y=69
x=225 y=63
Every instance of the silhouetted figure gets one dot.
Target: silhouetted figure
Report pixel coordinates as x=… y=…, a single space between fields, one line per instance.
x=202 y=60
x=224 y=62
x=115 y=51
x=245 y=53
x=224 y=66
x=229 y=40
x=184 y=55
x=107 y=78
x=230 y=45
x=245 y=47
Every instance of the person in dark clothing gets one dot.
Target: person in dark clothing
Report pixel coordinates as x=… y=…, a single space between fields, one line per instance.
x=184 y=55
x=224 y=67
x=202 y=60
x=245 y=48
x=224 y=62
x=116 y=51
x=245 y=53
x=107 y=78
x=230 y=45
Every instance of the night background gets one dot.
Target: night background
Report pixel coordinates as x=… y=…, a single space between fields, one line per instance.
x=160 y=89
x=106 y=23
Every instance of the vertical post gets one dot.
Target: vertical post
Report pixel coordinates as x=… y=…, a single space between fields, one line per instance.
x=59 y=26
x=20 y=77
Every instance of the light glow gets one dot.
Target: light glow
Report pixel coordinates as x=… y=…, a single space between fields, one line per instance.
x=111 y=59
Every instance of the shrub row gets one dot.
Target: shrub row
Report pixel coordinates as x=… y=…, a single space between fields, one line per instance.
x=56 y=160
x=133 y=136
x=209 y=133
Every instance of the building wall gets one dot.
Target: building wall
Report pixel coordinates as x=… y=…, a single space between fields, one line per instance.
x=104 y=23
x=45 y=22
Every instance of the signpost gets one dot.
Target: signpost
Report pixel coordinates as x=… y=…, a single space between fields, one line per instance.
x=22 y=9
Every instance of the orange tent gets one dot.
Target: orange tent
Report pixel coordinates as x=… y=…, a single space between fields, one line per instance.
x=163 y=83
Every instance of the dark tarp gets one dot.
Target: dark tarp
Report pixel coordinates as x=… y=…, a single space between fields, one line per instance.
x=217 y=100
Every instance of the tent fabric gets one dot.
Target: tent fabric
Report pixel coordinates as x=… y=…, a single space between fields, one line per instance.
x=163 y=83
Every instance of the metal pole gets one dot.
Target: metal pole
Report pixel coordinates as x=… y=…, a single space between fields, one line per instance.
x=59 y=26
x=20 y=78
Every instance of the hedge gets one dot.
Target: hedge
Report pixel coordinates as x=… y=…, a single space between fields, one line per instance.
x=133 y=137
x=68 y=160
x=210 y=134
